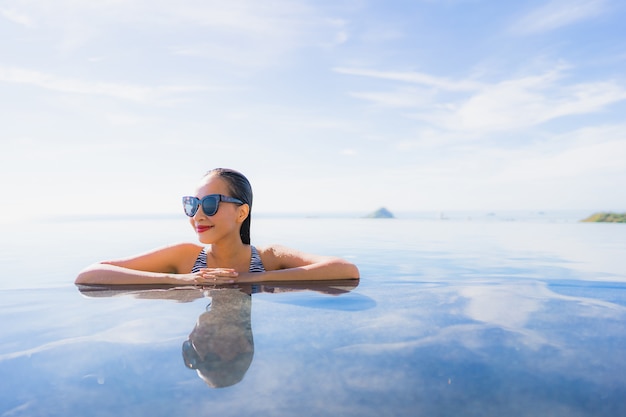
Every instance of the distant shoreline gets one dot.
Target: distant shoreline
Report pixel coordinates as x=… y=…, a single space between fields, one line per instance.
x=547 y=216
x=606 y=217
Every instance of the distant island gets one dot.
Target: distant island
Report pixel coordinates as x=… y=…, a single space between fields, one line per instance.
x=381 y=213
x=606 y=217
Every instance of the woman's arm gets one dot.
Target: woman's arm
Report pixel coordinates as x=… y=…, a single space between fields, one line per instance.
x=285 y=264
x=168 y=265
x=110 y=274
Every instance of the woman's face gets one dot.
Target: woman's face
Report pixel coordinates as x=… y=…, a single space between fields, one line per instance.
x=226 y=222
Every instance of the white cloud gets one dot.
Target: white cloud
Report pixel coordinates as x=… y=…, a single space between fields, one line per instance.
x=518 y=103
x=588 y=161
x=131 y=92
x=17 y=17
x=575 y=169
x=126 y=119
x=341 y=37
x=140 y=331
x=484 y=107
x=401 y=98
x=242 y=32
x=238 y=16
x=558 y=13
x=414 y=78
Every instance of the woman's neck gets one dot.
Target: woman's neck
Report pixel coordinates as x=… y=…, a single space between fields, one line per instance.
x=226 y=254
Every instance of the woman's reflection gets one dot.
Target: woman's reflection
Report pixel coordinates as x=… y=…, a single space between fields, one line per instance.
x=221 y=346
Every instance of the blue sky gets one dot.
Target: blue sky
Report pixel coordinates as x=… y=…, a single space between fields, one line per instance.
x=327 y=106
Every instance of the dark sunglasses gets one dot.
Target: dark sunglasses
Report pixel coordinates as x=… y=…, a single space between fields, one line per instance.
x=210 y=204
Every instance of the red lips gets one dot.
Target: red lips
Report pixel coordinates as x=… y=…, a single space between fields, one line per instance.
x=202 y=229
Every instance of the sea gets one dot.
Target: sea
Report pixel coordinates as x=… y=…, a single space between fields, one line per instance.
x=456 y=313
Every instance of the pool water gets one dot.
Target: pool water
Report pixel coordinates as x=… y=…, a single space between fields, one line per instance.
x=462 y=317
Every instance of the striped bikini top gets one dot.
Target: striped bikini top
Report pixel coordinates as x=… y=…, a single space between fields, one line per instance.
x=256 y=264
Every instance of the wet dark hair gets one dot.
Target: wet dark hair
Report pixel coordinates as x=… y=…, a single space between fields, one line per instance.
x=240 y=188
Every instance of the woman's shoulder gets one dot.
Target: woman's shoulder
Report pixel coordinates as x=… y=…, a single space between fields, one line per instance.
x=279 y=256
x=184 y=246
x=269 y=255
x=182 y=249
x=183 y=255
x=273 y=250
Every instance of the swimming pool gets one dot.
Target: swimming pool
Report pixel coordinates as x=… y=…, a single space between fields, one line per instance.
x=464 y=317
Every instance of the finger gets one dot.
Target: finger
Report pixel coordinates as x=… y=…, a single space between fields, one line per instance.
x=213 y=273
x=216 y=280
x=226 y=273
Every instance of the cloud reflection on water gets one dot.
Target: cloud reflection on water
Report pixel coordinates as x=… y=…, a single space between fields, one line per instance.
x=526 y=310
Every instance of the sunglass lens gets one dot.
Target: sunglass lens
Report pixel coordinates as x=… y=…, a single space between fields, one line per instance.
x=190 y=205
x=209 y=205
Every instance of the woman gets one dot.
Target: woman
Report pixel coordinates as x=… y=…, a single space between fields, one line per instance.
x=220 y=214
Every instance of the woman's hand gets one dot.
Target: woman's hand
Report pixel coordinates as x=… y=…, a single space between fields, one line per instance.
x=215 y=276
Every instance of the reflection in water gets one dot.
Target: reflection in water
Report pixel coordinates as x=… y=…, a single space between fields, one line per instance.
x=221 y=346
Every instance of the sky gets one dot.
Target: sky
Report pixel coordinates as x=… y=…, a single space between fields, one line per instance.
x=120 y=106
